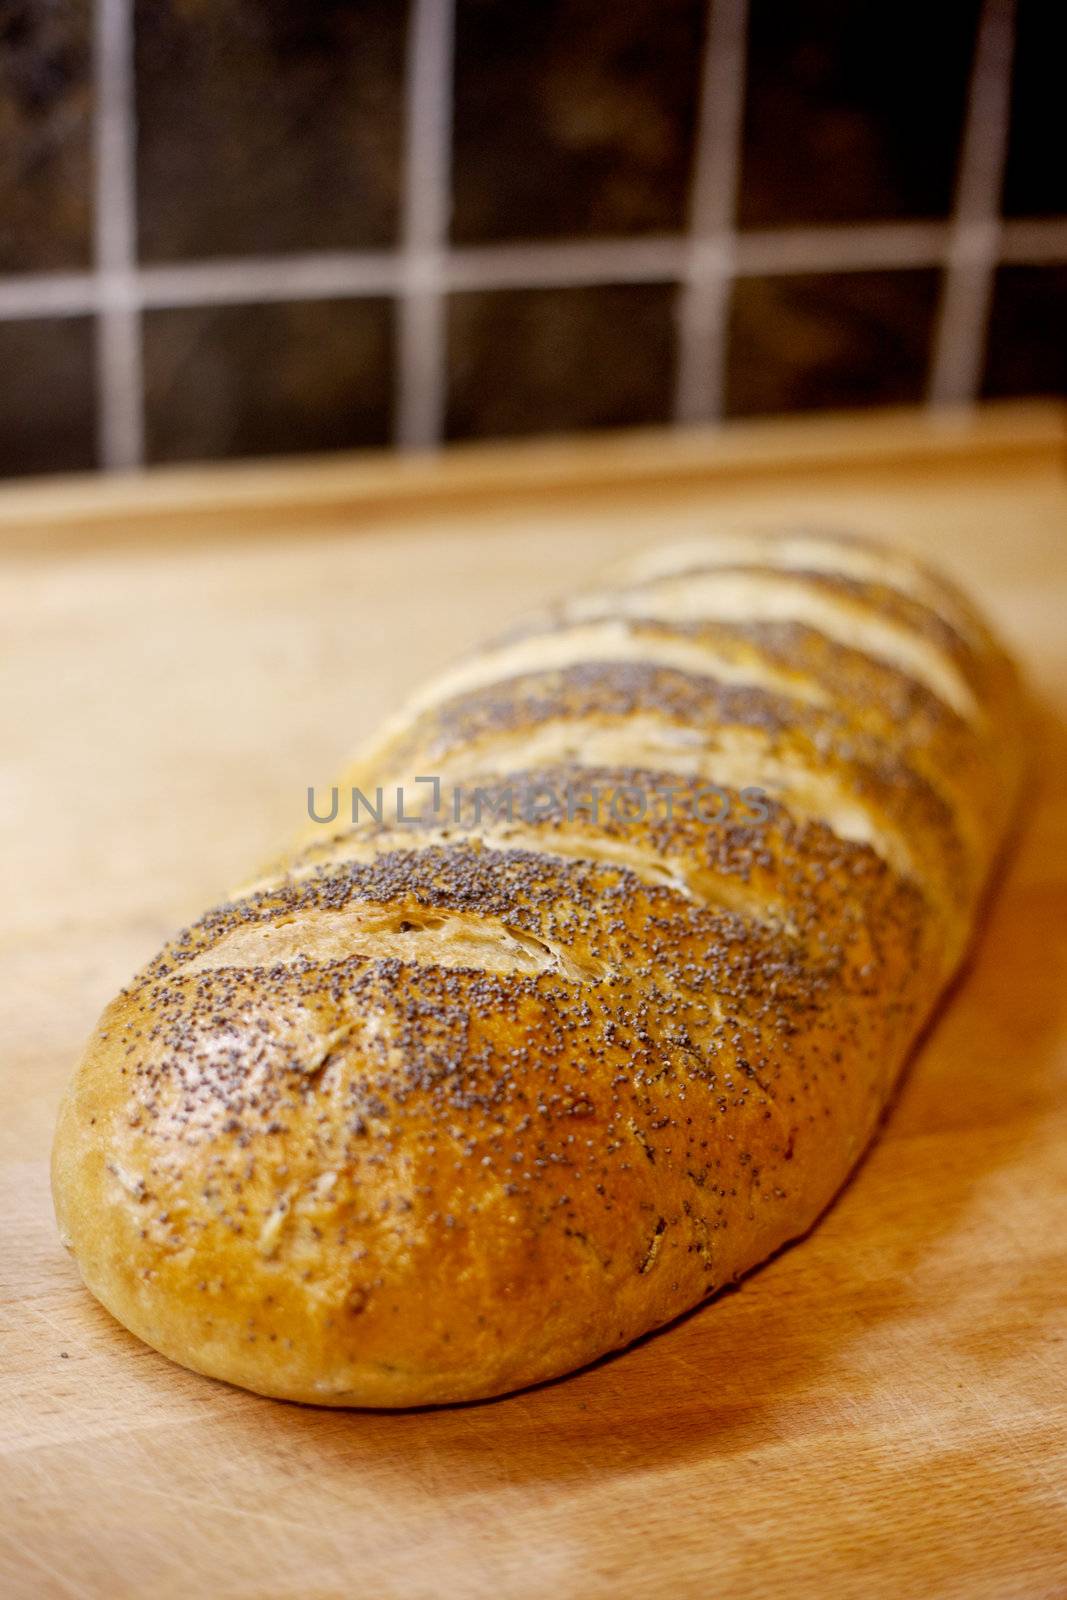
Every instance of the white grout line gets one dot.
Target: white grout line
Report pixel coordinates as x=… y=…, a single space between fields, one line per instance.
x=566 y=263
x=963 y=317
x=120 y=381
x=1032 y=242
x=703 y=301
x=66 y=294
x=263 y=279
x=855 y=247
x=344 y=275
x=421 y=333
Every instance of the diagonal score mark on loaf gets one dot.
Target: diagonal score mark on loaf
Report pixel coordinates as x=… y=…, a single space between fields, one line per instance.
x=832 y=556
x=796 y=664
x=375 y=932
x=777 y=651
x=836 y=607
x=793 y=661
x=610 y=638
x=663 y=858
x=646 y=719
x=777 y=876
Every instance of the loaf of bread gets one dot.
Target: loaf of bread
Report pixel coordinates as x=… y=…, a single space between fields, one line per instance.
x=463 y=1094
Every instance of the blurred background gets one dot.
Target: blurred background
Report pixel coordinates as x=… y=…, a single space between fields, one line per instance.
x=243 y=227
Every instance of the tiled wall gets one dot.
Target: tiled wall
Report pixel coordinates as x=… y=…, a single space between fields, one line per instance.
x=236 y=227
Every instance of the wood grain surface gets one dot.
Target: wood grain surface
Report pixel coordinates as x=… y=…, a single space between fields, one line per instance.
x=878 y=1412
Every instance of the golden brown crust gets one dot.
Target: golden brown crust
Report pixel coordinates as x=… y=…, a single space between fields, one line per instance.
x=439 y=1110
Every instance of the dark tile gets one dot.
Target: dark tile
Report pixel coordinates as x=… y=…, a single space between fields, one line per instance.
x=1036 y=179
x=47 y=396
x=1027 y=350
x=829 y=340
x=549 y=360
x=45 y=110
x=268 y=127
x=573 y=117
x=268 y=379
x=853 y=112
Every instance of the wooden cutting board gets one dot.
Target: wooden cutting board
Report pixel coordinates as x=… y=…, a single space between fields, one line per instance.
x=878 y=1412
